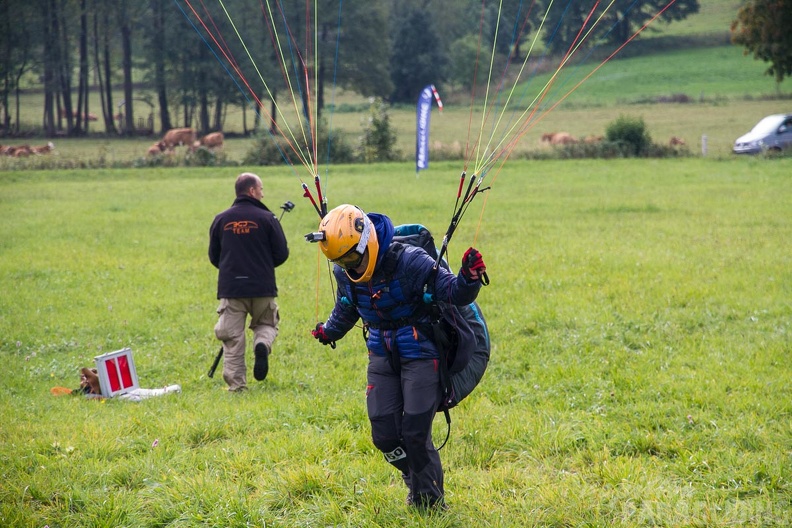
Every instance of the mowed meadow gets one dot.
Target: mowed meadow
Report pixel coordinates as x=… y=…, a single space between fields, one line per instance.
x=640 y=319
x=640 y=313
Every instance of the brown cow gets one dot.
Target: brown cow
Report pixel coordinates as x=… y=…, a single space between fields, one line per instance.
x=155 y=149
x=44 y=149
x=562 y=138
x=591 y=140
x=21 y=151
x=176 y=137
x=213 y=140
x=548 y=137
x=676 y=141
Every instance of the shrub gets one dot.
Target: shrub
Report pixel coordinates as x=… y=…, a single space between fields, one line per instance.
x=630 y=134
x=379 y=139
x=203 y=157
x=331 y=147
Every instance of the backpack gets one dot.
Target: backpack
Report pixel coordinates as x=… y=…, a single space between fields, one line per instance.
x=460 y=332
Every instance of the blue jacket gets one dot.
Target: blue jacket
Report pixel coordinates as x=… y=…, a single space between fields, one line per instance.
x=391 y=303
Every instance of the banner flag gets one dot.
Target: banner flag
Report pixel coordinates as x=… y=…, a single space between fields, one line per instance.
x=422 y=135
x=437 y=98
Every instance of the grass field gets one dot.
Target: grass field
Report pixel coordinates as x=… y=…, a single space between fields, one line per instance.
x=639 y=313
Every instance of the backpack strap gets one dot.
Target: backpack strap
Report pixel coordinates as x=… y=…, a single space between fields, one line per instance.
x=391 y=258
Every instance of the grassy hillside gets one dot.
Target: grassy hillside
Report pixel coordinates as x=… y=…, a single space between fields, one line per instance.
x=714 y=18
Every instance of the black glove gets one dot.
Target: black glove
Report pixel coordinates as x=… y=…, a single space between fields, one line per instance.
x=473 y=267
x=320 y=335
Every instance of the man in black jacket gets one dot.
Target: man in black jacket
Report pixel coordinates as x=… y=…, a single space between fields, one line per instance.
x=246 y=244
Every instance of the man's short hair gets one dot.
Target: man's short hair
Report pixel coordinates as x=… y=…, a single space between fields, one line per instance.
x=244 y=182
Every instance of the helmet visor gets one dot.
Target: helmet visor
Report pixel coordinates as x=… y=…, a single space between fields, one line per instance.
x=349 y=260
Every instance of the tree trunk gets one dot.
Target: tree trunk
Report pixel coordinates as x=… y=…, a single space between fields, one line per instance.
x=126 y=47
x=218 y=114
x=63 y=64
x=321 y=77
x=5 y=57
x=160 y=83
x=82 y=89
x=203 y=102
x=244 y=120
x=107 y=112
x=273 y=125
x=108 y=71
x=320 y=88
x=48 y=119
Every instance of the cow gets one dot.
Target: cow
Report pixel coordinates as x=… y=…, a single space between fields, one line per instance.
x=676 y=141
x=548 y=137
x=21 y=151
x=213 y=140
x=176 y=137
x=591 y=140
x=155 y=149
x=44 y=149
x=562 y=138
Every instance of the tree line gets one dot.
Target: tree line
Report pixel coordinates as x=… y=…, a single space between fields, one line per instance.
x=159 y=52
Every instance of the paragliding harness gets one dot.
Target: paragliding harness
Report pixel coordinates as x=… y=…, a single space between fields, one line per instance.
x=459 y=332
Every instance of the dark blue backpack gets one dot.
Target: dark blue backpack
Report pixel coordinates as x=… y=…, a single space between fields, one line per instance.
x=460 y=332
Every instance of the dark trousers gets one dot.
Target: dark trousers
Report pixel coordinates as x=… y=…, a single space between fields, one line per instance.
x=401 y=407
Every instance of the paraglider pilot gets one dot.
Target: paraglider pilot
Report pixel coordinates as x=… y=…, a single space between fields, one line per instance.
x=383 y=284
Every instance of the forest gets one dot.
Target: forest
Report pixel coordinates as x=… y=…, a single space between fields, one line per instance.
x=375 y=48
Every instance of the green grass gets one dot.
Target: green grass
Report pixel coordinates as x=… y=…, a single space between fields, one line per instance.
x=639 y=312
x=714 y=17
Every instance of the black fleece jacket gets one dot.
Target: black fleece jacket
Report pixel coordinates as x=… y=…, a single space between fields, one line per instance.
x=246 y=243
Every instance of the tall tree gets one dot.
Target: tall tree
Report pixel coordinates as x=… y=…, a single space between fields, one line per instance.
x=82 y=88
x=361 y=51
x=416 y=59
x=61 y=22
x=764 y=28
x=509 y=24
x=51 y=59
x=156 y=46
x=102 y=44
x=125 y=26
x=19 y=29
x=569 y=22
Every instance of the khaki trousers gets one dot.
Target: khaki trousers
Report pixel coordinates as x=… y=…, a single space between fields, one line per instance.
x=230 y=329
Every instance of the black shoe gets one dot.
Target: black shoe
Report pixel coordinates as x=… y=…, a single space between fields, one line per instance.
x=261 y=367
x=424 y=503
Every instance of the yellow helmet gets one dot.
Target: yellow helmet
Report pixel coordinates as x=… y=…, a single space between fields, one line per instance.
x=348 y=233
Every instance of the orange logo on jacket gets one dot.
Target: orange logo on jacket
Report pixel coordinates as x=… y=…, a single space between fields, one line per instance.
x=242 y=227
